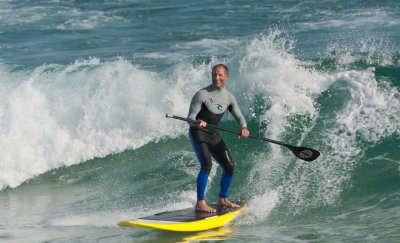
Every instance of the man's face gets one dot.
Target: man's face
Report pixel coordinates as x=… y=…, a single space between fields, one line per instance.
x=219 y=76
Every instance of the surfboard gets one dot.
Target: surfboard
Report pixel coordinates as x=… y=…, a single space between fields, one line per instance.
x=187 y=220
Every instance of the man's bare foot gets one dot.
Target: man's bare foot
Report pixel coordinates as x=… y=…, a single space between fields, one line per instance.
x=202 y=206
x=226 y=202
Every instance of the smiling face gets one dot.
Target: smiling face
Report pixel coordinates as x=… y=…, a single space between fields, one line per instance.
x=219 y=77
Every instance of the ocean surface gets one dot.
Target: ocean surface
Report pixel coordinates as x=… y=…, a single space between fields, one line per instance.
x=84 y=142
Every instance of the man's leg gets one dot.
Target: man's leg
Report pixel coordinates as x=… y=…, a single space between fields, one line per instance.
x=221 y=154
x=204 y=157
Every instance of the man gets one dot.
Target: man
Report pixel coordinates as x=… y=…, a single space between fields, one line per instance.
x=207 y=107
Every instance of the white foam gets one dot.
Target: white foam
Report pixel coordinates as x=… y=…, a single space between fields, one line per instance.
x=274 y=73
x=288 y=89
x=85 y=20
x=181 y=200
x=210 y=46
x=72 y=18
x=373 y=110
x=369 y=17
x=62 y=115
x=260 y=207
x=370 y=114
x=13 y=15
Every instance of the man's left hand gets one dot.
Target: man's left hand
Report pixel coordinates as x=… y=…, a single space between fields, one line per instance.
x=244 y=132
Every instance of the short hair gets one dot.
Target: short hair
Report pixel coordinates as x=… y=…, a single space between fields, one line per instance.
x=221 y=65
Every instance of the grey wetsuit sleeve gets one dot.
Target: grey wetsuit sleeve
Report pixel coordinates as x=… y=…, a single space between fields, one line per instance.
x=236 y=113
x=195 y=106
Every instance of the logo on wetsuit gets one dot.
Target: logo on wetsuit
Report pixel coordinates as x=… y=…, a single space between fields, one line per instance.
x=219 y=106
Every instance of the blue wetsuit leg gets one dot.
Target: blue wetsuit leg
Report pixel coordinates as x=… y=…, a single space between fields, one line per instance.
x=226 y=181
x=204 y=157
x=223 y=158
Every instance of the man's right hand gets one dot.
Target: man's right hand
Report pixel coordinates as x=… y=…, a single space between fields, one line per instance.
x=201 y=124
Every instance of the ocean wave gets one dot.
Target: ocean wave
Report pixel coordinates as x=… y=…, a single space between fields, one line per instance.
x=61 y=115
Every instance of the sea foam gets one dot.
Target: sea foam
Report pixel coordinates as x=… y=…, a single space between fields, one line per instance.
x=59 y=115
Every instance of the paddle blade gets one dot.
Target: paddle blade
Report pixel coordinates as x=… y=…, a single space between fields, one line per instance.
x=307 y=154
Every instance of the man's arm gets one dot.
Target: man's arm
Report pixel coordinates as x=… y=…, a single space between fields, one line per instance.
x=238 y=115
x=195 y=107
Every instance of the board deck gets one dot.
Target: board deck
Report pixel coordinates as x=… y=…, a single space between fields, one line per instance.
x=186 y=220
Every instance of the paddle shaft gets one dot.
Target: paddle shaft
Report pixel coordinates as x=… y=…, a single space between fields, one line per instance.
x=303 y=153
x=226 y=130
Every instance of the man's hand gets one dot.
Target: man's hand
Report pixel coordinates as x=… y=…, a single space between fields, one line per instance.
x=244 y=132
x=201 y=124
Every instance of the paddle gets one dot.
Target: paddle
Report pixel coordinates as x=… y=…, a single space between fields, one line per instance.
x=307 y=154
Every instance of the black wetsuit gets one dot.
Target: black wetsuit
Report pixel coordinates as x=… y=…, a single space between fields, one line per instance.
x=209 y=104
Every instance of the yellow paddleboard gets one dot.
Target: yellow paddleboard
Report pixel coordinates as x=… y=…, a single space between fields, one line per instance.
x=186 y=220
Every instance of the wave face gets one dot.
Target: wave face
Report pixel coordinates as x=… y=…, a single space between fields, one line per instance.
x=85 y=142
